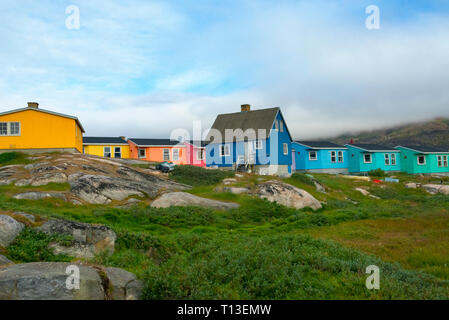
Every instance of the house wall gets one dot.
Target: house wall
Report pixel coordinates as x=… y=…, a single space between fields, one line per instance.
x=98 y=150
x=356 y=163
x=39 y=130
x=156 y=154
x=409 y=162
x=192 y=155
x=323 y=162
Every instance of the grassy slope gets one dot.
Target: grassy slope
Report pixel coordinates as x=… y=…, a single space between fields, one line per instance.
x=263 y=250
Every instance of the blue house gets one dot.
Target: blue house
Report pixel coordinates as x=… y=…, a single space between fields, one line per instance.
x=250 y=140
x=320 y=157
x=367 y=157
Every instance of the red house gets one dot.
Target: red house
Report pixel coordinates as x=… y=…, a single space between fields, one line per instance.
x=196 y=153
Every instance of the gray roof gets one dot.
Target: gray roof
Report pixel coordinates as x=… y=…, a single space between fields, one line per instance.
x=154 y=142
x=246 y=120
x=320 y=145
x=372 y=147
x=426 y=149
x=44 y=111
x=103 y=140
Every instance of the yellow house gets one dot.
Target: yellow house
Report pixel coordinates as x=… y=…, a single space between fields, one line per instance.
x=108 y=147
x=34 y=130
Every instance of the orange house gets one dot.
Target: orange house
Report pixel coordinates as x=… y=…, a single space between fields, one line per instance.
x=158 y=150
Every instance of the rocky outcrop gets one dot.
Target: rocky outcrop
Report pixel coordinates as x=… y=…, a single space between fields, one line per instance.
x=436 y=188
x=26 y=216
x=36 y=195
x=5 y=261
x=88 y=239
x=57 y=177
x=123 y=285
x=366 y=193
x=186 y=199
x=287 y=195
x=411 y=185
x=47 y=281
x=9 y=230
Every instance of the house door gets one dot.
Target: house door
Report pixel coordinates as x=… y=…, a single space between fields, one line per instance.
x=293 y=160
x=250 y=155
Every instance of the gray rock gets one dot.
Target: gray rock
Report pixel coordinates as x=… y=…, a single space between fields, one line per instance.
x=47 y=281
x=319 y=187
x=236 y=190
x=411 y=185
x=366 y=193
x=45 y=179
x=287 y=195
x=229 y=181
x=5 y=261
x=9 y=230
x=36 y=195
x=123 y=285
x=88 y=239
x=27 y=216
x=23 y=182
x=187 y=199
x=436 y=188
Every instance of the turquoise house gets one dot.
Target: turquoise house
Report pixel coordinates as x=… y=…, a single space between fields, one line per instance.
x=366 y=157
x=320 y=157
x=424 y=160
x=250 y=140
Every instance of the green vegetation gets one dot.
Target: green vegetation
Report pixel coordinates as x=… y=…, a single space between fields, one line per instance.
x=263 y=250
x=8 y=158
x=302 y=178
x=197 y=176
x=379 y=173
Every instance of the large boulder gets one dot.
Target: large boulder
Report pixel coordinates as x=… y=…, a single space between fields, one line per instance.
x=9 y=230
x=57 y=177
x=123 y=285
x=37 y=195
x=186 y=199
x=47 y=281
x=5 y=261
x=287 y=195
x=88 y=239
x=436 y=188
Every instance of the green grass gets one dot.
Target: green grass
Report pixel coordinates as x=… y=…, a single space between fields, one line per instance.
x=197 y=176
x=9 y=158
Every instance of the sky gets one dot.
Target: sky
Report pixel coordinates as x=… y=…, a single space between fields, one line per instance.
x=145 y=68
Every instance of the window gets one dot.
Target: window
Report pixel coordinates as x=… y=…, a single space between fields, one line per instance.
x=421 y=160
x=117 y=152
x=166 y=154
x=142 y=153
x=175 y=155
x=313 y=155
x=333 y=156
x=445 y=161
x=367 y=158
x=3 y=128
x=107 y=152
x=285 y=145
x=281 y=126
x=224 y=150
x=340 y=156
x=276 y=124
x=393 y=159
x=199 y=154
x=387 y=159
x=440 y=161
x=14 y=128
x=258 y=144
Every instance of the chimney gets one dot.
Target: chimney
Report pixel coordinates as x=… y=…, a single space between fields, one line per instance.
x=245 y=107
x=33 y=105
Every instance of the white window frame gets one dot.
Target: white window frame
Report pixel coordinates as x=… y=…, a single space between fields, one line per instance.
x=119 y=152
x=105 y=152
x=340 y=156
x=164 y=154
x=173 y=154
x=276 y=124
x=226 y=150
x=370 y=158
x=334 y=156
x=281 y=126
x=393 y=159
x=440 y=161
x=387 y=159
x=285 y=148
x=144 y=153
x=8 y=125
x=258 y=145
x=417 y=160
x=316 y=155
x=201 y=153
x=445 y=162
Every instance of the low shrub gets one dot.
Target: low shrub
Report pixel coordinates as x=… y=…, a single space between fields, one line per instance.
x=197 y=176
x=377 y=173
